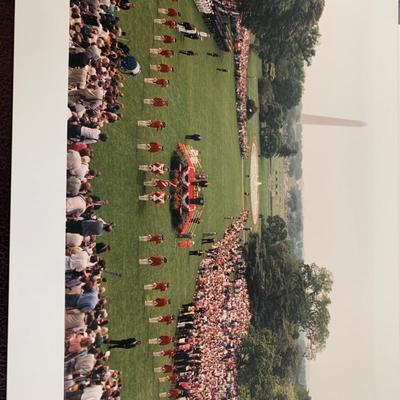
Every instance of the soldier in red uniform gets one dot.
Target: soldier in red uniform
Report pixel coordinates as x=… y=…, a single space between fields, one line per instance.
x=164 y=319
x=168 y=53
x=158 y=302
x=157 y=124
x=160 y=183
x=161 y=68
x=156 y=261
x=156 y=168
x=157 y=81
x=171 y=394
x=164 y=353
x=171 y=12
x=161 y=340
x=152 y=147
x=152 y=237
x=167 y=368
x=165 y=38
x=171 y=24
x=155 y=197
x=162 y=286
x=156 y=102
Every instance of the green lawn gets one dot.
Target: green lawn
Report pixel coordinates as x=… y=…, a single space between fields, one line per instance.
x=202 y=101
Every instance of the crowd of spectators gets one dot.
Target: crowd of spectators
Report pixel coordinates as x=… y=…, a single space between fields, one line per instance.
x=95 y=82
x=241 y=58
x=210 y=329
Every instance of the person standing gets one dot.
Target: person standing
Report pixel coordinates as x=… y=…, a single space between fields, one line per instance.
x=123 y=343
x=155 y=197
x=157 y=124
x=196 y=252
x=157 y=81
x=162 y=340
x=193 y=136
x=163 y=319
x=152 y=147
x=156 y=168
x=158 y=302
x=213 y=54
x=165 y=38
x=152 y=237
x=164 y=353
x=161 y=68
x=222 y=69
x=162 y=286
x=168 y=53
x=156 y=102
x=171 y=12
x=167 y=22
x=207 y=240
x=160 y=183
x=171 y=394
x=155 y=261
x=187 y=52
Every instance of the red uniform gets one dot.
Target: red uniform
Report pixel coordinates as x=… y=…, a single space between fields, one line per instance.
x=185 y=243
x=170 y=23
x=159 y=102
x=162 y=82
x=155 y=147
x=166 y=53
x=165 y=340
x=156 y=260
x=184 y=385
x=174 y=393
x=172 y=378
x=156 y=239
x=159 y=197
x=168 y=352
x=168 y=39
x=156 y=123
x=161 y=183
x=165 y=68
x=168 y=368
x=161 y=286
x=167 y=319
x=161 y=301
x=157 y=168
x=172 y=12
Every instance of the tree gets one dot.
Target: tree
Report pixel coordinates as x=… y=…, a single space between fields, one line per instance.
x=276 y=230
x=288 y=92
x=286 y=151
x=315 y=317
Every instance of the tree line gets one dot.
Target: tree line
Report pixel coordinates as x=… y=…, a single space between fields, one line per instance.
x=287 y=34
x=287 y=297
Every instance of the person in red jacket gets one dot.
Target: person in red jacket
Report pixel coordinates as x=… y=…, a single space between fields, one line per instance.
x=152 y=147
x=157 y=124
x=169 y=378
x=171 y=24
x=156 y=102
x=168 y=53
x=156 y=261
x=160 y=183
x=167 y=368
x=155 y=197
x=157 y=81
x=171 y=394
x=161 y=340
x=162 y=286
x=165 y=38
x=164 y=319
x=156 y=168
x=164 y=353
x=171 y=12
x=158 y=302
x=152 y=237
x=161 y=68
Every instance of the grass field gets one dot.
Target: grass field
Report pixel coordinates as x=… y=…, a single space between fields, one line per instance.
x=201 y=100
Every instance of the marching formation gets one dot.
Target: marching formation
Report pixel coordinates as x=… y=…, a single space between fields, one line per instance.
x=203 y=352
